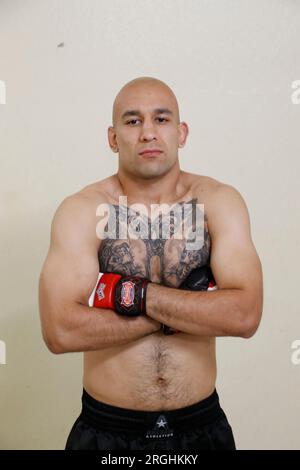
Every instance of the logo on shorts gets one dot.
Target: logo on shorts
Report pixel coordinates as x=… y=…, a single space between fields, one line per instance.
x=127 y=293
x=100 y=291
x=161 y=428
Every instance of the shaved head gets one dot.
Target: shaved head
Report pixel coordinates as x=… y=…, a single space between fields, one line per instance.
x=143 y=85
x=145 y=115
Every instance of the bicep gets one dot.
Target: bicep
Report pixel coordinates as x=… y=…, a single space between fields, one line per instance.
x=71 y=268
x=66 y=279
x=234 y=260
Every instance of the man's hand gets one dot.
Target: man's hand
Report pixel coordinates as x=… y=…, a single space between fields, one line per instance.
x=200 y=279
x=125 y=295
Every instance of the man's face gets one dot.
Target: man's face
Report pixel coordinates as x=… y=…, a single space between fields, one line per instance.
x=146 y=116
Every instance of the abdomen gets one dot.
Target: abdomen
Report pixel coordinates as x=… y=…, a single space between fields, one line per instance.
x=156 y=372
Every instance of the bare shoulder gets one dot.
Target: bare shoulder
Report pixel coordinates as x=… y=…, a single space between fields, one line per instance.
x=200 y=186
x=225 y=197
x=76 y=216
x=84 y=202
x=222 y=202
x=212 y=191
x=102 y=191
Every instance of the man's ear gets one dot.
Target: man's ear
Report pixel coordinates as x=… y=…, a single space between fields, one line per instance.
x=112 y=139
x=183 y=132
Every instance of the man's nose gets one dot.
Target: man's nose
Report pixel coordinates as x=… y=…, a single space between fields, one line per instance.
x=148 y=131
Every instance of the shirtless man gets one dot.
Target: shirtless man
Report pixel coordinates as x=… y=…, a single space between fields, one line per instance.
x=145 y=387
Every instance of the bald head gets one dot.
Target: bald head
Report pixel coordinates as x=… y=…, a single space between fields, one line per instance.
x=142 y=86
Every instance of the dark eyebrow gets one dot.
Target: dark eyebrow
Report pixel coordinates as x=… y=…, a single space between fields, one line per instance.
x=136 y=112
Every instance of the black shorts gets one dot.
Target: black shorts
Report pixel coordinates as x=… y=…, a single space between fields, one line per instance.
x=201 y=426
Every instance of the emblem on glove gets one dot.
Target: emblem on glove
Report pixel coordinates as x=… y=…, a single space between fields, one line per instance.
x=127 y=294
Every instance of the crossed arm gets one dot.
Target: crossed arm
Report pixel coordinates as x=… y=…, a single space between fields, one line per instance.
x=71 y=269
x=67 y=279
x=235 y=308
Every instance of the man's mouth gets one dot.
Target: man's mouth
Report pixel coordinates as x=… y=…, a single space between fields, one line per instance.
x=150 y=153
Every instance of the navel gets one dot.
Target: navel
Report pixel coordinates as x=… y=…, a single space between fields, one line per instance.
x=161 y=381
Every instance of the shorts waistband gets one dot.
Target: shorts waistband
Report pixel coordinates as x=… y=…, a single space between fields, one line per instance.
x=153 y=423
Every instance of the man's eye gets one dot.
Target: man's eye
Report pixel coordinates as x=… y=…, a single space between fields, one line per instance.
x=164 y=119
x=132 y=120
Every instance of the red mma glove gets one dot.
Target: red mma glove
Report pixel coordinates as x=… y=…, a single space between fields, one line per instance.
x=125 y=295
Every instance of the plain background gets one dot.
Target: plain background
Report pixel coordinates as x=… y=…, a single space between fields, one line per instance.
x=231 y=65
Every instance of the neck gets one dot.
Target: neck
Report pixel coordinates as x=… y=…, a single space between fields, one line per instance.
x=157 y=190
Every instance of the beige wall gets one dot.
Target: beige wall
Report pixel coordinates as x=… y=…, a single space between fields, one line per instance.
x=231 y=65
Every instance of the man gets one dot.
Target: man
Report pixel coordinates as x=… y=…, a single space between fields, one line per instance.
x=149 y=369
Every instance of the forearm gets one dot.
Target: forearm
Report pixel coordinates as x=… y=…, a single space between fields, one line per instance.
x=216 y=313
x=89 y=329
